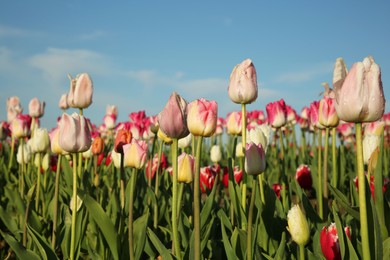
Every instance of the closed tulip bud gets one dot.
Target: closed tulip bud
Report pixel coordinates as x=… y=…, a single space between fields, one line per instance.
x=135 y=154
x=112 y=110
x=206 y=178
x=74 y=133
x=40 y=141
x=116 y=159
x=123 y=137
x=314 y=115
x=202 y=117
x=54 y=142
x=78 y=203
x=13 y=108
x=327 y=113
x=254 y=159
x=215 y=154
x=45 y=161
x=173 y=118
x=36 y=108
x=97 y=146
x=277 y=113
x=63 y=103
x=239 y=150
x=20 y=126
x=109 y=121
x=81 y=90
x=233 y=123
x=329 y=241
x=291 y=115
x=298 y=226
x=260 y=135
x=360 y=98
x=185 y=141
x=163 y=137
x=243 y=83
x=186 y=168
x=23 y=155
x=88 y=153
x=303 y=177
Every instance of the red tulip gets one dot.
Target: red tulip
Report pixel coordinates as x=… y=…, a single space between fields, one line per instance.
x=207 y=178
x=277 y=189
x=329 y=241
x=303 y=176
x=277 y=113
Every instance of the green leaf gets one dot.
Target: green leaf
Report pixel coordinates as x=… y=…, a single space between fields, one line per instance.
x=103 y=222
x=20 y=251
x=44 y=248
x=139 y=234
x=162 y=250
x=281 y=249
x=386 y=246
x=10 y=223
x=342 y=200
x=231 y=255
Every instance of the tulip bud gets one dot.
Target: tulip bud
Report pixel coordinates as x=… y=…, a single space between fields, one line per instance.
x=74 y=133
x=40 y=141
x=185 y=141
x=314 y=115
x=202 y=117
x=97 y=146
x=206 y=178
x=298 y=226
x=239 y=150
x=163 y=137
x=361 y=98
x=109 y=121
x=233 y=123
x=54 y=142
x=277 y=113
x=116 y=158
x=20 y=126
x=78 y=203
x=13 y=108
x=36 y=108
x=63 y=103
x=45 y=161
x=327 y=113
x=23 y=155
x=81 y=90
x=260 y=135
x=186 y=168
x=254 y=159
x=340 y=72
x=215 y=154
x=303 y=177
x=329 y=241
x=123 y=137
x=135 y=154
x=173 y=118
x=243 y=83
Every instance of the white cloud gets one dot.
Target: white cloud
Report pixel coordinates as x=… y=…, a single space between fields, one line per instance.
x=305 y=74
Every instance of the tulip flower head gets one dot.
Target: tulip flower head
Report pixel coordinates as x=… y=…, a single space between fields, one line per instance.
x=298 y=226
x=360 y=98
x=238 y=173
x=202 y=117
x=152 y=165
x=36 y=108
x=23 y=155
x=233 y=123
x=186 y=168
x=314 y=115
x=243 y=83
x=207 y=178
x=20 y=126
x=185 y=141
x=340 y=72
x=75 y=135
x=215 y=154
x=81 y=91
x=254 y=159
x=303 y=177
x=97 y=146
x=63 y=102
x=14 y=108
x=327 y=113
x=260 y=135
x=135 y=154
x=277 y=113
x=329 y=241
x=123 y=137
x=173 y=118
x=40 y=142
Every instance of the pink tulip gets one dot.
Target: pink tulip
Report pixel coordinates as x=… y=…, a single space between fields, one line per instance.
x=81 y=90
x=109 y=121
x=135 y=154
x=220 y=125
x=339 y=73
x=360 y=98
x=291 y=115
x=75 y=135
x=254 y=158
x=112 y=110
x=13 y=108
x=277 y=113
x=20 y=126
x=243 y=83
x=233 y=123
x=327 y=113
x=36 y=108
x=63 y=103
x=173 y=118
x=374 y=128
x=202 y=117
x=314 y=115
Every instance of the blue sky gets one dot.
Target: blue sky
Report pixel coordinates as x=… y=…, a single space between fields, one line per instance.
x=139 y=52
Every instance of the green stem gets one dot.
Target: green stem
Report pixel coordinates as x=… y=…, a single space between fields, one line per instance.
x=319 y=169
x=56 y=195
x=282 y=172
x=250 y=220
x=197 y=251
x=175 y=233
x=122 y=183
x=261 y=187
x=325 y=168
x=11 y=158
x=131 y=205
x=21 y=178
x=301 y=252
x=303 y=145
x=334 y=158
x=156 y=186
x=74 y=212
x=38 y=182
x=243 y=142
x=362 y=193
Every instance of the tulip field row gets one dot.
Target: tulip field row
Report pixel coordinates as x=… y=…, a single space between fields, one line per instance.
x=190 y=184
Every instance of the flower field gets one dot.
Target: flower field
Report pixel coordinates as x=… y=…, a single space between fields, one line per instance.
x=190 y=184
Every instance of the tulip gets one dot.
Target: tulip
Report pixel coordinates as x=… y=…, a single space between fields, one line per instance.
x=112 y=110
x=109 y=121
x=219 y=127
x=13 y=108
x=63 y=103
x=207 y=178
x=360 y=98
x=215 y=154
x=123 y=137
x=116 y=159
x=243 y=83
x=152 y=165
x=340 y=72
x=45 y=161
x=4 y=130
x=81 y=90
x=153 y=124
x=277 y=188
x=314 y=115
x=75 y=135
x=97 y=146
x=186 y=168
x=298 y=226
x=291 y=115
x=54 y=141
x=23 y=155
x=202 y=117
x=238 y=173
x=254 y=159
x=303 y=177
x=36 y=108
x=135 y=154
x=239 y=150
x=260 y=135
x=20 y=126
x=370 y=143
x=277 y=113
x=40 y=141
x=78 y=203
x=173 y=118
x=233 y=123
x=185 y=141
x=329 y=241
x=327 y=113
x=163 y=137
